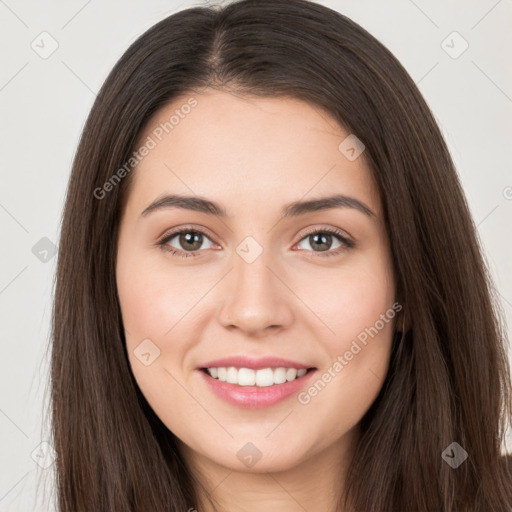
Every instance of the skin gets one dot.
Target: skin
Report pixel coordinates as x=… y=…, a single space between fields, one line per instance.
x=254 y=155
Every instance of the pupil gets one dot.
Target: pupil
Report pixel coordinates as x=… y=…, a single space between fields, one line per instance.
x=324 y=239
x=191 y=238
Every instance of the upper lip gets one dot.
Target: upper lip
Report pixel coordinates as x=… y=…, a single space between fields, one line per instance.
x=254 y=364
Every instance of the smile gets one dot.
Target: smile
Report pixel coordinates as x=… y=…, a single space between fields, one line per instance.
x=255 y=389
x=261 y=378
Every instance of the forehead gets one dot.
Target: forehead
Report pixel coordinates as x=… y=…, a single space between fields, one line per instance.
x=232 y=147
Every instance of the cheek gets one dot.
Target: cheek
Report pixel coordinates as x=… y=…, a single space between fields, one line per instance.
x=353 y=299
x=360 y=310
x=152 y=307
x=152 y=297
x=161 y=304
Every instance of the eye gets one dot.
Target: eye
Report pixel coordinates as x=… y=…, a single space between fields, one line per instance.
x=191 y=240
x=322 y=239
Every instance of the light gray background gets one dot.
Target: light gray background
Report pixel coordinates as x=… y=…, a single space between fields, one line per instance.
x=44 y=103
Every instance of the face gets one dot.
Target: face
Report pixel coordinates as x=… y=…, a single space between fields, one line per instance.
x=309 y=285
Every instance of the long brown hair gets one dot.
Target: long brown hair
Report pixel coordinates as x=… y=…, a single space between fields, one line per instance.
x=449 y=376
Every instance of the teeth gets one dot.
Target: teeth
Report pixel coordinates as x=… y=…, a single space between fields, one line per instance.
x=291 y=374
x=246 y=377
x=232 y=375
x=261 y=378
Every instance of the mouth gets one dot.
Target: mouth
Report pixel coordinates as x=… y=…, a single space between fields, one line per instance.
x=255 y=388
x=255 y=382
x=263 y=377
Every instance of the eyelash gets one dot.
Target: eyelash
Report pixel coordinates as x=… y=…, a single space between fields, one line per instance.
x=347 y=244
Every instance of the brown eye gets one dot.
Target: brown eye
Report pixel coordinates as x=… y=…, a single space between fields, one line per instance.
x=190 y=240
x=322 y=240
x=185 y=243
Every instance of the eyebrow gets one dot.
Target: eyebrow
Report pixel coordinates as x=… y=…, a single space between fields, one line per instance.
x=203 y=205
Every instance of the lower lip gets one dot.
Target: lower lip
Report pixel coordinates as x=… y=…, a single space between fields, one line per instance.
x=254 y=397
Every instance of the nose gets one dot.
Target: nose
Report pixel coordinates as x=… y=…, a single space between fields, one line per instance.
x=257 y=298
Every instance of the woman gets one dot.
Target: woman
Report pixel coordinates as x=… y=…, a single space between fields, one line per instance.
x=269 y=290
